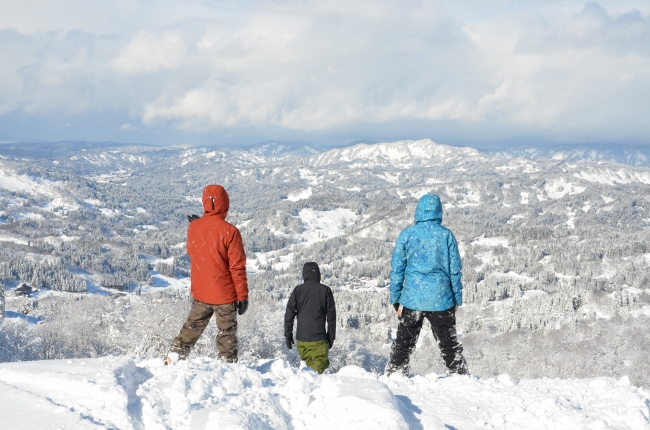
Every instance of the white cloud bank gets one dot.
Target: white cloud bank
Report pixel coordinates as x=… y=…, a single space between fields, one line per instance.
x=561 y=68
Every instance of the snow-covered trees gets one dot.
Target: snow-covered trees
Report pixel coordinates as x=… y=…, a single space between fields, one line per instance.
x=51 y=274
x=548 y=248
x=2 y=299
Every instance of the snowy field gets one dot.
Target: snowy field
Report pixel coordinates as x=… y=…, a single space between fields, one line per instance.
x=323 y=225
x=318 y=226
x=128 y=393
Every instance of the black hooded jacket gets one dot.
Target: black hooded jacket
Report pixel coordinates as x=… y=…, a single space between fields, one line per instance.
x=313 y=303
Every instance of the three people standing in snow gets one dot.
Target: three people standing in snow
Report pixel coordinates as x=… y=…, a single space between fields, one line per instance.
x=425 y=283
x=218 y=278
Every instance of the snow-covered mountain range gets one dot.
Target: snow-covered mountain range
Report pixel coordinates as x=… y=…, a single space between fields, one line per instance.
x=555 y=253
x=402 y=154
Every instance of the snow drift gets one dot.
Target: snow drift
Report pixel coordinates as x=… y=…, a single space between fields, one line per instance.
x=128 y=393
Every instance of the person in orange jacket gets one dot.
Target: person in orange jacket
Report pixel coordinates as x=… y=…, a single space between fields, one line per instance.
x=218 y=278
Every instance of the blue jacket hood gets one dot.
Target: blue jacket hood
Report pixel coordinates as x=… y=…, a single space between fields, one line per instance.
x=429 y=209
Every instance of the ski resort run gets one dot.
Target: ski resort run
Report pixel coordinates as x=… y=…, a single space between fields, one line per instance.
x=128 y=393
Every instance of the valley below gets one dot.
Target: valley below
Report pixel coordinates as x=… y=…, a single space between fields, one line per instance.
x=555 y=251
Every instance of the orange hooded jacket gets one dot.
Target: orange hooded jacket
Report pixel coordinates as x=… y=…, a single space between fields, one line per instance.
x=216 y=251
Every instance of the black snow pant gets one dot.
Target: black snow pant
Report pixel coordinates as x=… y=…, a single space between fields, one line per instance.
x=443 y=325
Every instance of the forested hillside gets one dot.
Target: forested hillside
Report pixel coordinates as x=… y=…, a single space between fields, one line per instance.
x=555 y=252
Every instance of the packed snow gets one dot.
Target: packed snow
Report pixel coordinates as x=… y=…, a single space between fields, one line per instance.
x=129 y=393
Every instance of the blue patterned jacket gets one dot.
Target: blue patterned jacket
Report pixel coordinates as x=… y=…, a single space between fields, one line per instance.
x=426 y=265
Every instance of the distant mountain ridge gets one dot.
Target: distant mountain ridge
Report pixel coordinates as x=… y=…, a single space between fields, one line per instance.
x=277 y=149
x=637 y=156
x=401 y=154
x=362 y=152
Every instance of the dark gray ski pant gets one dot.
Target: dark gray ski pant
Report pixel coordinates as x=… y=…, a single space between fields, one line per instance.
x=443 y=325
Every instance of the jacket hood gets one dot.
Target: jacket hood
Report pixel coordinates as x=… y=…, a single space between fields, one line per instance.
x=311 y=272
x=215 y=201
x=429 y=209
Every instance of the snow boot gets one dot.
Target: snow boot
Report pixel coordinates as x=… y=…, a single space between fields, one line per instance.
x=458 y=366
x=391 y=368
x=172 y=358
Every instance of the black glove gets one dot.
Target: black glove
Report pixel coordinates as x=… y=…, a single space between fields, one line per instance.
x=191 y=218
x=289 y=339
x=399 y=313
x=330 y=341
x=242 y=307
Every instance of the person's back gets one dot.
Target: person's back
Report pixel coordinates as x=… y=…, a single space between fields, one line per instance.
x=426 y=273
x=313 y=305
x=218 y=278
x=426 y=281
x=217 y=257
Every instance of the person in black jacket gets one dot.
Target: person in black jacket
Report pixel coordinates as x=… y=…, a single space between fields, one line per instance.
x=313 y=303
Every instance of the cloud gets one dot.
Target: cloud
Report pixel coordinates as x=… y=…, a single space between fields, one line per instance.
x=570 y=69
x=127 y=127
x=593 y=28
x=148 y=53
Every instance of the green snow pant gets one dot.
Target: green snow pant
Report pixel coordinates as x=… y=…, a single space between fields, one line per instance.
x=314 y=354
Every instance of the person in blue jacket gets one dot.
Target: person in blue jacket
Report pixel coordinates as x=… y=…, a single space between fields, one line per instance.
x=426 y=281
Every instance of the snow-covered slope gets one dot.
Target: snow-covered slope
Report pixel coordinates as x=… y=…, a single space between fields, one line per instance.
x=127 y=393
x=54 y=191
x=13 y=182
x=576 y=232
x=402 y=154
x=112 y=158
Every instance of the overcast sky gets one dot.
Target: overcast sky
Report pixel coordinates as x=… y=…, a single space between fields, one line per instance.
x=475 y=72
